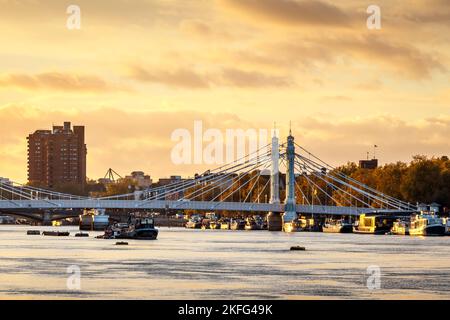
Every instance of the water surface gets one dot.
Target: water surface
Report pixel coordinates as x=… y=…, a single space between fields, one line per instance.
x=221 y=264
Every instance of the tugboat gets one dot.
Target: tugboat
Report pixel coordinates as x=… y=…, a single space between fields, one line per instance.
x=373 y=224
x=401 y=227
x=427 y=225
x=237 y=224
x=140 y=229
x=337 y=226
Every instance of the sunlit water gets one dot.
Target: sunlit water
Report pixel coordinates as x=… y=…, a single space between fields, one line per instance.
x=220 y=264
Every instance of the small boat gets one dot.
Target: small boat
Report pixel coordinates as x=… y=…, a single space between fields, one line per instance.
x=292 y=226
x=427 y=225
x=121 y=243
x=255 y=223
x=225 y=224
x=337 y=226
x=237 y=224
x=400 y=227
x=194 y=222
x=205 y=224
x=306 y=224
x=33 y=232
x=56 y=233
x=213 y=224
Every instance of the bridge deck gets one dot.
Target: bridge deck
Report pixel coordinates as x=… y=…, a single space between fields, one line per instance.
x=180 y=205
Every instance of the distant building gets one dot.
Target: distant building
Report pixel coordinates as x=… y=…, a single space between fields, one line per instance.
x=57 y=157
x=141 y=179
x=368 y=164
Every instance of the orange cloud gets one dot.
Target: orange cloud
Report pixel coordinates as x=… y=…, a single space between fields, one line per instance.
x=56 y=81
x=288 y=12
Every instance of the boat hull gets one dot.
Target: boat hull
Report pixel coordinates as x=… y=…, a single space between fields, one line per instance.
x=337 y=229
x=434 y=230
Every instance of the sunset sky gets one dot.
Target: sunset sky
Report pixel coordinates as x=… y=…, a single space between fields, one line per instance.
x=139 y=69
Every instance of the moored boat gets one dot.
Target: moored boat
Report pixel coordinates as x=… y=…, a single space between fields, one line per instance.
x=337 y=226
x=291 y=226
x=214 y=224
x=140 y=229
x=224 y=224
x=373 y=224
x=254 y=223
x=237 y=224
x=194 y=223
x=427 y=225
x=400 y=227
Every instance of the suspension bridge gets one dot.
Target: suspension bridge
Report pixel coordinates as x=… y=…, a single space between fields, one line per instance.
x=333 y=192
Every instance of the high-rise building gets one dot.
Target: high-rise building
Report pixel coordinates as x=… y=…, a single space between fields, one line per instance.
x=57 y=157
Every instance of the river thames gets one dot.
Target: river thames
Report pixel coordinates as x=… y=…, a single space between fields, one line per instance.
x=222 y=264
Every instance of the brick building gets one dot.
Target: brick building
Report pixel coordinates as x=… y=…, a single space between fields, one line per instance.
x=57 y=157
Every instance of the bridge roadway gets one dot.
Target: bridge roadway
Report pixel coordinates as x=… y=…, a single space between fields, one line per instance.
x=18 y=205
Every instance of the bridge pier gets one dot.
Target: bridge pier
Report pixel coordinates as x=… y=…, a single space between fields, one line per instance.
x=290 y=213
x=47 y=218
x=274 y=221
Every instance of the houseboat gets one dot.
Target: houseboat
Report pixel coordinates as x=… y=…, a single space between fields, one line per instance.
x=373 y=224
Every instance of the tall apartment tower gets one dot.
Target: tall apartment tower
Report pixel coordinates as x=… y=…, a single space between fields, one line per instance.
x=57 y=157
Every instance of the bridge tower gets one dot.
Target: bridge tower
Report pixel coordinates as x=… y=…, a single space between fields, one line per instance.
x=274 y=218
x=290 y=212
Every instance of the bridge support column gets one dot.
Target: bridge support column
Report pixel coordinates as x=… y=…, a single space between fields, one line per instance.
x=47 y=219
x=274 y=222
x=290 y=213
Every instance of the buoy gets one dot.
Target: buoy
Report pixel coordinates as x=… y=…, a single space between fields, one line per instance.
x=298 y=248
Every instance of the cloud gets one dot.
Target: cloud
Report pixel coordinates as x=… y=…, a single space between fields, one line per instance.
x=290 y=12
x=338 y=140
x=240 y=78
x=404 y=59
x=179 y=78
x=56 y=81
x=193 y=79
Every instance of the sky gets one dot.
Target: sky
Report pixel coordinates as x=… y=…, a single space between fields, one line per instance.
x=139 y=69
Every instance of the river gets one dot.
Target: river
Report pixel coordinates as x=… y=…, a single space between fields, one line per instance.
x=222 y=264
